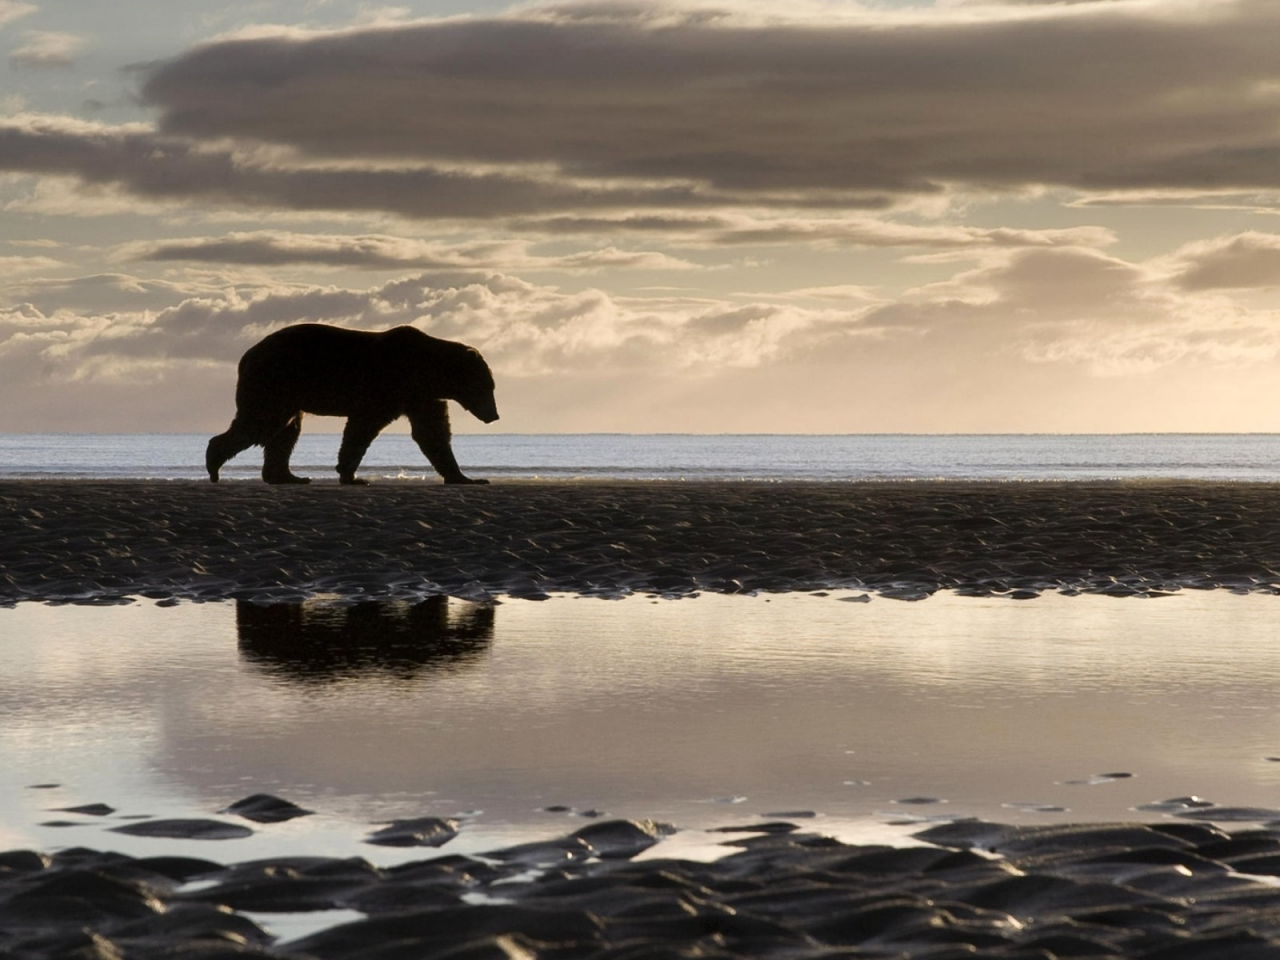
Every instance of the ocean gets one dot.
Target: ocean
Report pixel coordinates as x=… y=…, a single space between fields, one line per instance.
x=688 y=457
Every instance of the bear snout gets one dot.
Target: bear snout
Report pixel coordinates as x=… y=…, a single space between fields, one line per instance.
x=485 y=409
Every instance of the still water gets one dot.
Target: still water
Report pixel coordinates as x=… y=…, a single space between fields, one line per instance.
x=702 y=712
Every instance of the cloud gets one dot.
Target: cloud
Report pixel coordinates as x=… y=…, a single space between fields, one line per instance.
x=525 y=330
x=1054 y=337
x=622 y=116
x=861 y=232
x=11 y=10
x=844 y=291
x=1075 y=308
x=135 y=158
x=105 y=294
x=1174 y=95
x=1072 y=306
x=13 y=265
x=1264 y=202
x=380 y=252
x=67 y=196
x=732 y=229
x=1247 y=260
x=44 y=48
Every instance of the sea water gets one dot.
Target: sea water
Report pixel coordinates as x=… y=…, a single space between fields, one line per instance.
x=675 y=457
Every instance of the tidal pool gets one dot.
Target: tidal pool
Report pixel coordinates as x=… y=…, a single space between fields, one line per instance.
x=703 y=712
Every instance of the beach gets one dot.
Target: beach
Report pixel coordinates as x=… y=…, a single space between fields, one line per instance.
x=99 y=541
x=1192 y=880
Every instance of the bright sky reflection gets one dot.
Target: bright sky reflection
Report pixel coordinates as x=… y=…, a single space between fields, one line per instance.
x=637 y=708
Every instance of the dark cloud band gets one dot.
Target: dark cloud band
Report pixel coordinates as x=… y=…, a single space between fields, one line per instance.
x=1092 y=96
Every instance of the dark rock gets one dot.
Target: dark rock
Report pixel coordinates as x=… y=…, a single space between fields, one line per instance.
x=1265 y=865
x=264 y=808
x=905 y=916
x=1070 y=945
x=194 y=921
x=452 y=871
x=395 y=897
x=775 y=826
x=486 y=948
x=89 y=809
x=1156 y=856
x=77 y=898
x=287 y=884
x=1193 y=833
x=622 y=839
x=180 y=869
x=1039 y=896
x=1175 y=805
x=891 y=861
x=277 y=892
x=1246 y=844
x=22 y=861
x=544 y=853
x=1049 y=841
x=419 y=832
x=181 y=829
x=434 y=931
x=1236 y=946
x=966 y=834
x=1232 y=814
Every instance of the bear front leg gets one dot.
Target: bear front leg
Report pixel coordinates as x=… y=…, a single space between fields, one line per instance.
x=356 y=437
x=429 y=426
x=278 y=449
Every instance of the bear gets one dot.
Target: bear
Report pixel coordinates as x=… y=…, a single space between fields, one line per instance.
x=371 y=378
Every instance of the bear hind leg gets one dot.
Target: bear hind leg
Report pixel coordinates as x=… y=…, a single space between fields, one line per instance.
x=276 y=452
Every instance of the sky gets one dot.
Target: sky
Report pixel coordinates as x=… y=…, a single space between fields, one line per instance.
x=818 y=216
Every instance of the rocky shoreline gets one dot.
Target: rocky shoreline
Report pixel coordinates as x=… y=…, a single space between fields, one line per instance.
x=1164 y=891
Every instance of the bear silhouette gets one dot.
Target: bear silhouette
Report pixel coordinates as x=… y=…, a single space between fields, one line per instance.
x=369 y=378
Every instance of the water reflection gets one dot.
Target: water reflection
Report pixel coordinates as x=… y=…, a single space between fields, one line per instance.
x=318 y=642
x=1002 y=709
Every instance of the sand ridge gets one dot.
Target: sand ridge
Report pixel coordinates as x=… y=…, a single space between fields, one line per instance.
x=1161 y=891
x=103 y=541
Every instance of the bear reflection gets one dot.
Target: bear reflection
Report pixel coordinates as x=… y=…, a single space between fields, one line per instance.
x=317 y=642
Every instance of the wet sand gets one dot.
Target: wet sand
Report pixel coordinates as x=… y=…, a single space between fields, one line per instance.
x=1175 y=890
x=90 y=541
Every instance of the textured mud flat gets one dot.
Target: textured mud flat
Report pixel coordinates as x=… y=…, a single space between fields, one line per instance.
x=1170 y=891
x=87 y=541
